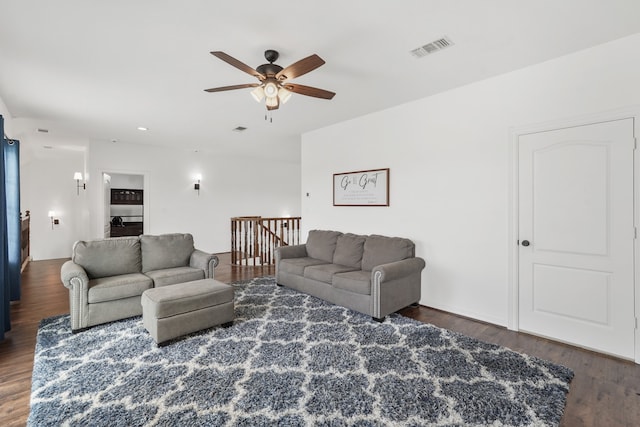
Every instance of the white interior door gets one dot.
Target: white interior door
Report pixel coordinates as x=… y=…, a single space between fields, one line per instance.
x=576 y=235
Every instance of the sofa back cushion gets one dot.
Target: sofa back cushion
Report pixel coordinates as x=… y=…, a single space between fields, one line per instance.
x=108 y=257
x=165 y=251
x=383 y=250
x=349 y=248
x=321 y=244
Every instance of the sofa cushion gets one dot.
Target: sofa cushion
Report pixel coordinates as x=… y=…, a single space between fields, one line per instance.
x=324 y=272
x=321 y=244
x=108 y=257
x=349 y=248
x=297 y=265
x=118 y=287
x=380 y=250
x=171 y=276
x=358 y=282
x=165 y=251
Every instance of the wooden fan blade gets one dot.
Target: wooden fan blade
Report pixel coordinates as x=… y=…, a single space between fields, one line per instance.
x=223 y=88
x=301 y=67
x=309 y=91
x=238 y=64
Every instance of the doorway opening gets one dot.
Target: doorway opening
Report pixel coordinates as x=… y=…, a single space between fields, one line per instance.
x=124 y=202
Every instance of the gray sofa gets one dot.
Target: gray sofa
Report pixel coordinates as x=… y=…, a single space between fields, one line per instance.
x=106 y=277
x=375 y=275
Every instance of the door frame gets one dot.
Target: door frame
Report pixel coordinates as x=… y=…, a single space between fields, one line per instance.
x=515 y=132
x=145 y=195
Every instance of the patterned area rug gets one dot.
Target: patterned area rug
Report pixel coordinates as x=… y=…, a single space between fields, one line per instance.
x=289 y=360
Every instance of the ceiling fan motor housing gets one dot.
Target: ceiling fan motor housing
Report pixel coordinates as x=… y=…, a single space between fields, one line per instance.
x=269 y=70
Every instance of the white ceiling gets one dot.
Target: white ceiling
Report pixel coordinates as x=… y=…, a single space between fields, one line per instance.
x=96 y=70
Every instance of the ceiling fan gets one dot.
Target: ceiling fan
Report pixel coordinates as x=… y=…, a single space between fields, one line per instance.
x=274 y=84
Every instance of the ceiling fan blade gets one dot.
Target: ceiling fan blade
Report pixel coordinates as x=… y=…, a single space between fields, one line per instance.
x=238 y=64
x=301 y=67
x=223 y=88
x=309 y=91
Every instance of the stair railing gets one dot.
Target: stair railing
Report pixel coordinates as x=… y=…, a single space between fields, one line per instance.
x=254 y=238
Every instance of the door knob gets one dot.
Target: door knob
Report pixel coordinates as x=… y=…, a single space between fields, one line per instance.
x=525 y=243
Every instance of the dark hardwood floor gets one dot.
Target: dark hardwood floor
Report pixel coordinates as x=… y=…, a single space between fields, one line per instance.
x=604 y=392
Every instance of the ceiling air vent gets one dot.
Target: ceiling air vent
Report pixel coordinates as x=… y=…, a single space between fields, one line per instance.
x=432 y=47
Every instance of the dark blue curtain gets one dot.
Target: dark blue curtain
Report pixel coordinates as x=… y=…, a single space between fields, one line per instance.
x=10 y=228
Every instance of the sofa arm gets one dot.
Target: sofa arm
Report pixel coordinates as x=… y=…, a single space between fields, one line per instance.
x=395 y=286
x=294 y=251
x=398 y=269
x=205 y=261
x=70 y=271
x=75 y=278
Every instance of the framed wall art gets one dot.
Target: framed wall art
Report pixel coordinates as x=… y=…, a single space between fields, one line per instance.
x=361 y=188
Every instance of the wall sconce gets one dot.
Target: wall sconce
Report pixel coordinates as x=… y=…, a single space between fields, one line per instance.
x=78 y=177
x=196 y=186
x=54 y=221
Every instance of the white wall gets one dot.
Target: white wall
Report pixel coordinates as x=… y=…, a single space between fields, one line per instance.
x=230 y=186
x=449 y=160
x=47 y=184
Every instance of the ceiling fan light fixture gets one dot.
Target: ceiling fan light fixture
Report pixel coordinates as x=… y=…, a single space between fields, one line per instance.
x=258 y=93
x=272 y=101
x=284 y=95
x=271 y=90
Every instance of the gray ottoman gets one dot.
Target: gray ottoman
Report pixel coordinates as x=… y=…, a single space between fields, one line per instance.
x=175 y=310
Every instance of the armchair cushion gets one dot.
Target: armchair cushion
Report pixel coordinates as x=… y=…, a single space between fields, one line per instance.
x=321 y=244
x=166 y=251
x=383 y=250
x=172 y=276
x=108 y=257
x=118 y=287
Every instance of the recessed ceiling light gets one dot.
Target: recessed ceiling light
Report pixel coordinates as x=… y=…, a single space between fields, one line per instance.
x=239 y=129
x=142 y=128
